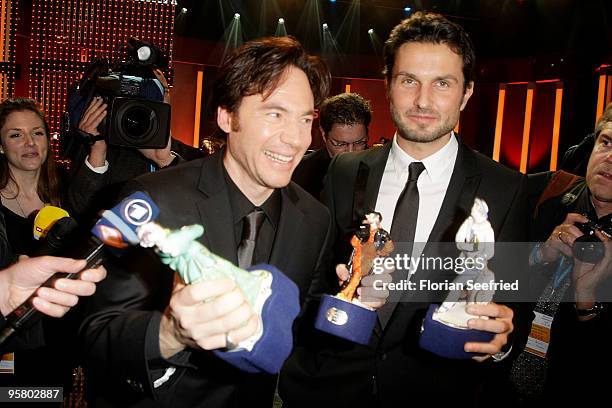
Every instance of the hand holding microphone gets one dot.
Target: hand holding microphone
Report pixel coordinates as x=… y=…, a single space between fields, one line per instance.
x=24 y=279
x=116 y=228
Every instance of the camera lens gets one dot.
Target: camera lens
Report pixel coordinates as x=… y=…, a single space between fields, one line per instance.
x=588 y=248
x=137 y=121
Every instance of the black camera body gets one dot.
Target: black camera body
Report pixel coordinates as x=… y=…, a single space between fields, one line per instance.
x=588 y=247
x=137 y=116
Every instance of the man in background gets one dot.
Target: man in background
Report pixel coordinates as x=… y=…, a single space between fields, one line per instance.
x=344 y=121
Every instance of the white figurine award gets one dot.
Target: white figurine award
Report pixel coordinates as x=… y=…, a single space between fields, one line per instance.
x=445 y=329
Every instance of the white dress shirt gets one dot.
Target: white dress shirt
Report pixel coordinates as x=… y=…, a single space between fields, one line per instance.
x=432 y=184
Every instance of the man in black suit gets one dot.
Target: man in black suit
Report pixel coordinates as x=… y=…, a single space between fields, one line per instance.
x=429 y=63
x=155 y=335
x=344 y=121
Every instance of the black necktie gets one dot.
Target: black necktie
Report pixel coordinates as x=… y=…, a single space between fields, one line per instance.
x=251 y=225
x=402 y=232
x=407 y=208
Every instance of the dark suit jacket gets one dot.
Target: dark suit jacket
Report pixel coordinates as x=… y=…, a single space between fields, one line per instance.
x=309 y=174
x=89 y=192
x=393 y=369
x=121 y=334
x=577 y=348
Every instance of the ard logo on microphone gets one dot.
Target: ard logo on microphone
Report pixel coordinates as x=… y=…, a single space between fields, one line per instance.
x=137 y=212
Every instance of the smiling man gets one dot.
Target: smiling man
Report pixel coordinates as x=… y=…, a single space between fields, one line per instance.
x=424 y=184
x=160 y=344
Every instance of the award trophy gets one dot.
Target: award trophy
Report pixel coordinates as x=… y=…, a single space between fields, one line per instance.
x=270 y=293
x=343 y=315
x=445 y=330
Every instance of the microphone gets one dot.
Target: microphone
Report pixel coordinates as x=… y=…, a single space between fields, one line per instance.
x=46 y=218
x=60 y=232
x=116 y=228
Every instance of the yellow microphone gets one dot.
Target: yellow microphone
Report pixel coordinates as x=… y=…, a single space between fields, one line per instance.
x=46 y=217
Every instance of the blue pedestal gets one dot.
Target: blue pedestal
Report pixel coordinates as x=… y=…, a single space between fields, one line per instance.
x=345 y=319
x=447 y=341
x=278 y=313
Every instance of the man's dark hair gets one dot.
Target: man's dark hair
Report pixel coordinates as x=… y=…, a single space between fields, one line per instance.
x=257 y=68
x=604 y=119
x=430 y=28
x=344 y=109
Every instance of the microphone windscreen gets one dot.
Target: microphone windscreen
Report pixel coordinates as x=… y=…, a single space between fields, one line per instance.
x=59 y=236
x=117 y=226
x=46 y=217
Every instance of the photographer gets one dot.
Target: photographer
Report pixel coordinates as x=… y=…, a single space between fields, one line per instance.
x=576 y=277
x=98 y=177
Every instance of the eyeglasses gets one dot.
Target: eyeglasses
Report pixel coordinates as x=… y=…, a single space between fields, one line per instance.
x=357 y=143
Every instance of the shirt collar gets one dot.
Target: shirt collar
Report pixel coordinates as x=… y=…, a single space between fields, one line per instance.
x=435 y=165
x=242 y=206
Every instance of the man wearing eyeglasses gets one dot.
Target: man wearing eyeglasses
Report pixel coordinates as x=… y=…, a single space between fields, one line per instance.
x=344 y=121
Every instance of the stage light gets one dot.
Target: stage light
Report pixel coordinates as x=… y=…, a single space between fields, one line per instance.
x=237 y=16
x=325 y=26
x=281 y=21
x=371 y=31
x=184 y=10
x=407 y=9
x=332 y=1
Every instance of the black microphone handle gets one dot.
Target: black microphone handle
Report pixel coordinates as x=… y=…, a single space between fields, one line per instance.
x=27 y=314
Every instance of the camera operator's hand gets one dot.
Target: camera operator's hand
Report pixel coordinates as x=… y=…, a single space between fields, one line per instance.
x=587 y=276
x=161 y=157
x=95 y=113
x=562 y=238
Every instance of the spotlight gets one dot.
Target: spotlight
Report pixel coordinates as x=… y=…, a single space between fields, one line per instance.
x=371 y=31
x=281 y=21
x=184 y=10
x=407 y=9
x=332 y=1
x=237 y=16
x=325 y=26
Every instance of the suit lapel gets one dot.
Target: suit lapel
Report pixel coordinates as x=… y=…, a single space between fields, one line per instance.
x=291 y=220
x=375 y=163
x=215 y=210
x=459 y=196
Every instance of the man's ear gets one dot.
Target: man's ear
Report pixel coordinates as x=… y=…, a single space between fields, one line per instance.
x=467 y=94
x=224 y=119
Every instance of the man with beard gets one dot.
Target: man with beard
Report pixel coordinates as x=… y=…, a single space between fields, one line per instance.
x=424 y=184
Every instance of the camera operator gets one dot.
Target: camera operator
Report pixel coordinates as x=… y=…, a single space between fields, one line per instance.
x=98 y=178
x=573 y=218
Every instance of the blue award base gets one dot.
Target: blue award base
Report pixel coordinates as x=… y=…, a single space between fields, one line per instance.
x=275 y=344
x=447 y=341
x=345 y=319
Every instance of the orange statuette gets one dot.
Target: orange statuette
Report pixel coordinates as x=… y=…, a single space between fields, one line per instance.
x=348 y=292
